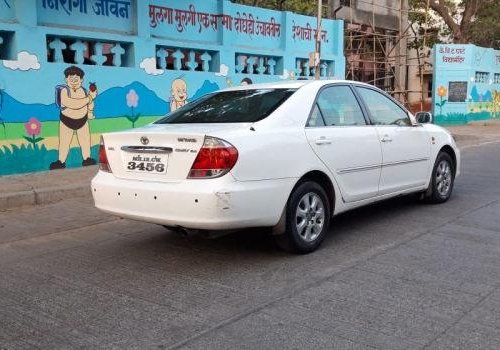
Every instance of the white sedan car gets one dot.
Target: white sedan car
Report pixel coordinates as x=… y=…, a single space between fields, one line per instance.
x=283 y=155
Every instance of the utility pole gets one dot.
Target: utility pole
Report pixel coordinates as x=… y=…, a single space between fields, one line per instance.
x=317 y=53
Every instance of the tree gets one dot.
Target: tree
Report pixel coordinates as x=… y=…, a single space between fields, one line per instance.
x=423 y=25
x=459 y=18
x=485 y=30
x=305 y=7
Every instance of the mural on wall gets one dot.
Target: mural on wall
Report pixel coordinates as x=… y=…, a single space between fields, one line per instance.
x=178 y=96
x=466 y=83
x=57 y=98
x=76 y=107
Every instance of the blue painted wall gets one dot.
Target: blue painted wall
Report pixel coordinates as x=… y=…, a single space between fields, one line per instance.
x=141 y=46
x=466 y=85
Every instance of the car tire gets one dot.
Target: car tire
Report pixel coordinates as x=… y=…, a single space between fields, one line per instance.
x=307 y=219
x=442 y=179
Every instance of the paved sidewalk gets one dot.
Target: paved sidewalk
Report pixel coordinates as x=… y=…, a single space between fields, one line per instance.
x=53 y=186
x=476 y=133
x=44 y=187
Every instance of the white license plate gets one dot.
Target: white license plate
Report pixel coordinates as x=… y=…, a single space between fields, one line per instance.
x=146 y=163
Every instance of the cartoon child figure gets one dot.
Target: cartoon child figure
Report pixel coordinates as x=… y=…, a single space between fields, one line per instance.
x=246 y=81
x=76 y=108
x=179 y=94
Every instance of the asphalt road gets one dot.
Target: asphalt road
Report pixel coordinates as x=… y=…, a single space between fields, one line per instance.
x=396 y=275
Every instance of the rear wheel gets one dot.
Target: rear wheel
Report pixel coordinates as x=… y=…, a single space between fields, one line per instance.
x=442 y=179
x=307 y=219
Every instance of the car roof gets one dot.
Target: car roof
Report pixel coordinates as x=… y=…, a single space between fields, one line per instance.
x=292 y=84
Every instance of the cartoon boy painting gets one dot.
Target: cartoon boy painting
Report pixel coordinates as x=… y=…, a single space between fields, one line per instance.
x=76 y=108
x=179 y=94
x=246 y=81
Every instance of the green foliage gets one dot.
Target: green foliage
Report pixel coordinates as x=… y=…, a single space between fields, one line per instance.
x=451 y=118
x=33 y=140
x=29 y=158
x=485 y=30
x=423 y=25
x=461 y=118
x=441 y=104
x=133 y=118
x=304 y=7
x=466 y=21
x=14 y=131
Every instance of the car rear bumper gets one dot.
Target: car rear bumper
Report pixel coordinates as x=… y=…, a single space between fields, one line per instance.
x=214 y=204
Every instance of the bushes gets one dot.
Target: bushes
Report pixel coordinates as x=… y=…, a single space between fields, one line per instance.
x=29 y=158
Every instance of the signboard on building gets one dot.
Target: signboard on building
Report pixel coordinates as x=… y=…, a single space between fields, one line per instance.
x=452 y=54
x=207 y=21
x=457 y=91
x=106 y=15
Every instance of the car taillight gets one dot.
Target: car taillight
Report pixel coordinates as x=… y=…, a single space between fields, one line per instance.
x=215 y=158
x=103 y=158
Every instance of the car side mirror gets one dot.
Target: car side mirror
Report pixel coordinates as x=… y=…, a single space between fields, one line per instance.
x=423 y=117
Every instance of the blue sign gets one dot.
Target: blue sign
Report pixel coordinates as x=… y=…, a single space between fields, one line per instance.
x=303 y=33
x=107 y=15
x=188 y=21
x=206 y=21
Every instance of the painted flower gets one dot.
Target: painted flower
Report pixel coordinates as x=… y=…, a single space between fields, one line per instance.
x=132 y=99
x=442 y=91
x=33 y=127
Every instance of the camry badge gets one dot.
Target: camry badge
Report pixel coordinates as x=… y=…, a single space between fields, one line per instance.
x=144 y=140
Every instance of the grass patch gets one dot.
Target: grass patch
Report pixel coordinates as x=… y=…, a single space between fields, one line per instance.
x=15 y=131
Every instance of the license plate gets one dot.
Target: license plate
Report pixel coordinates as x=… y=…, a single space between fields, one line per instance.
x=147 y=163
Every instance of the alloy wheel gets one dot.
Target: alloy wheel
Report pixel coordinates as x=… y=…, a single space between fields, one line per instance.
x=443 y=178
x=310 y=216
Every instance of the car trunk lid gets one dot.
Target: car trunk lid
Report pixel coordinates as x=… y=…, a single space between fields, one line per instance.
x=160 y=153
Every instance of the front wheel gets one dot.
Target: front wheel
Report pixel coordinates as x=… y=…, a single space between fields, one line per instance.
x=442 y=179
x=307 y=219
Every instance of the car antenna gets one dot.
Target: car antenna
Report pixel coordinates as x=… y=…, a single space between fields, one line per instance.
x=252 y=128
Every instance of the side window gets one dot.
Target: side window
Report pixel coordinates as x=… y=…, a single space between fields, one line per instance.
x=316 y=117
x=383 y=110
x=339 y=107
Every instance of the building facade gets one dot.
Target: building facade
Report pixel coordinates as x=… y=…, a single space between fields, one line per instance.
x=137 y=60
x=466 y=84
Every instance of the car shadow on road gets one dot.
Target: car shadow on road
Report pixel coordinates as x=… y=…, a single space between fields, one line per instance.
x=360 y=222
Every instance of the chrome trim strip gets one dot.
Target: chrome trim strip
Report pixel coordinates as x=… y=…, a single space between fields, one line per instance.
x=146 y=149
x=372 y=167
x=356 y=169
x=405 y=162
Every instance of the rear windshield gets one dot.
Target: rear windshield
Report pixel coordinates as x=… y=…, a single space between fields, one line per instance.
x=240 y=106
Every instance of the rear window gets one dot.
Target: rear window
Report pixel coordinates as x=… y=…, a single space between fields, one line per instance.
x=240 y=106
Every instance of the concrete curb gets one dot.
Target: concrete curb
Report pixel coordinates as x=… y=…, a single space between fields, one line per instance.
x=42 y=196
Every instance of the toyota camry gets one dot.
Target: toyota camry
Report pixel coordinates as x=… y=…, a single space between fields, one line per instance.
x=286 y=155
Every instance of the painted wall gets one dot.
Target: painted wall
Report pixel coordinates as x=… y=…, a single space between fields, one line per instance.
x=143 y=58
x=466 y=84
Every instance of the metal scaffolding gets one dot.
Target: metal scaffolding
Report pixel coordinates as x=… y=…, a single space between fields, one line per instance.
x=379 y=56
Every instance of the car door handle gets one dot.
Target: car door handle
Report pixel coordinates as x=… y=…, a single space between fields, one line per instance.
x=323 y=141
x=386 y=138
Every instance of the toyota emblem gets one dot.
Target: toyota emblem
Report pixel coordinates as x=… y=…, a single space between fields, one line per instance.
x=144 y=140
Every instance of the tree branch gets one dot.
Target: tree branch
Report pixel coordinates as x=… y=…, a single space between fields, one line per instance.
x=471 y=8
x=443 y=11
